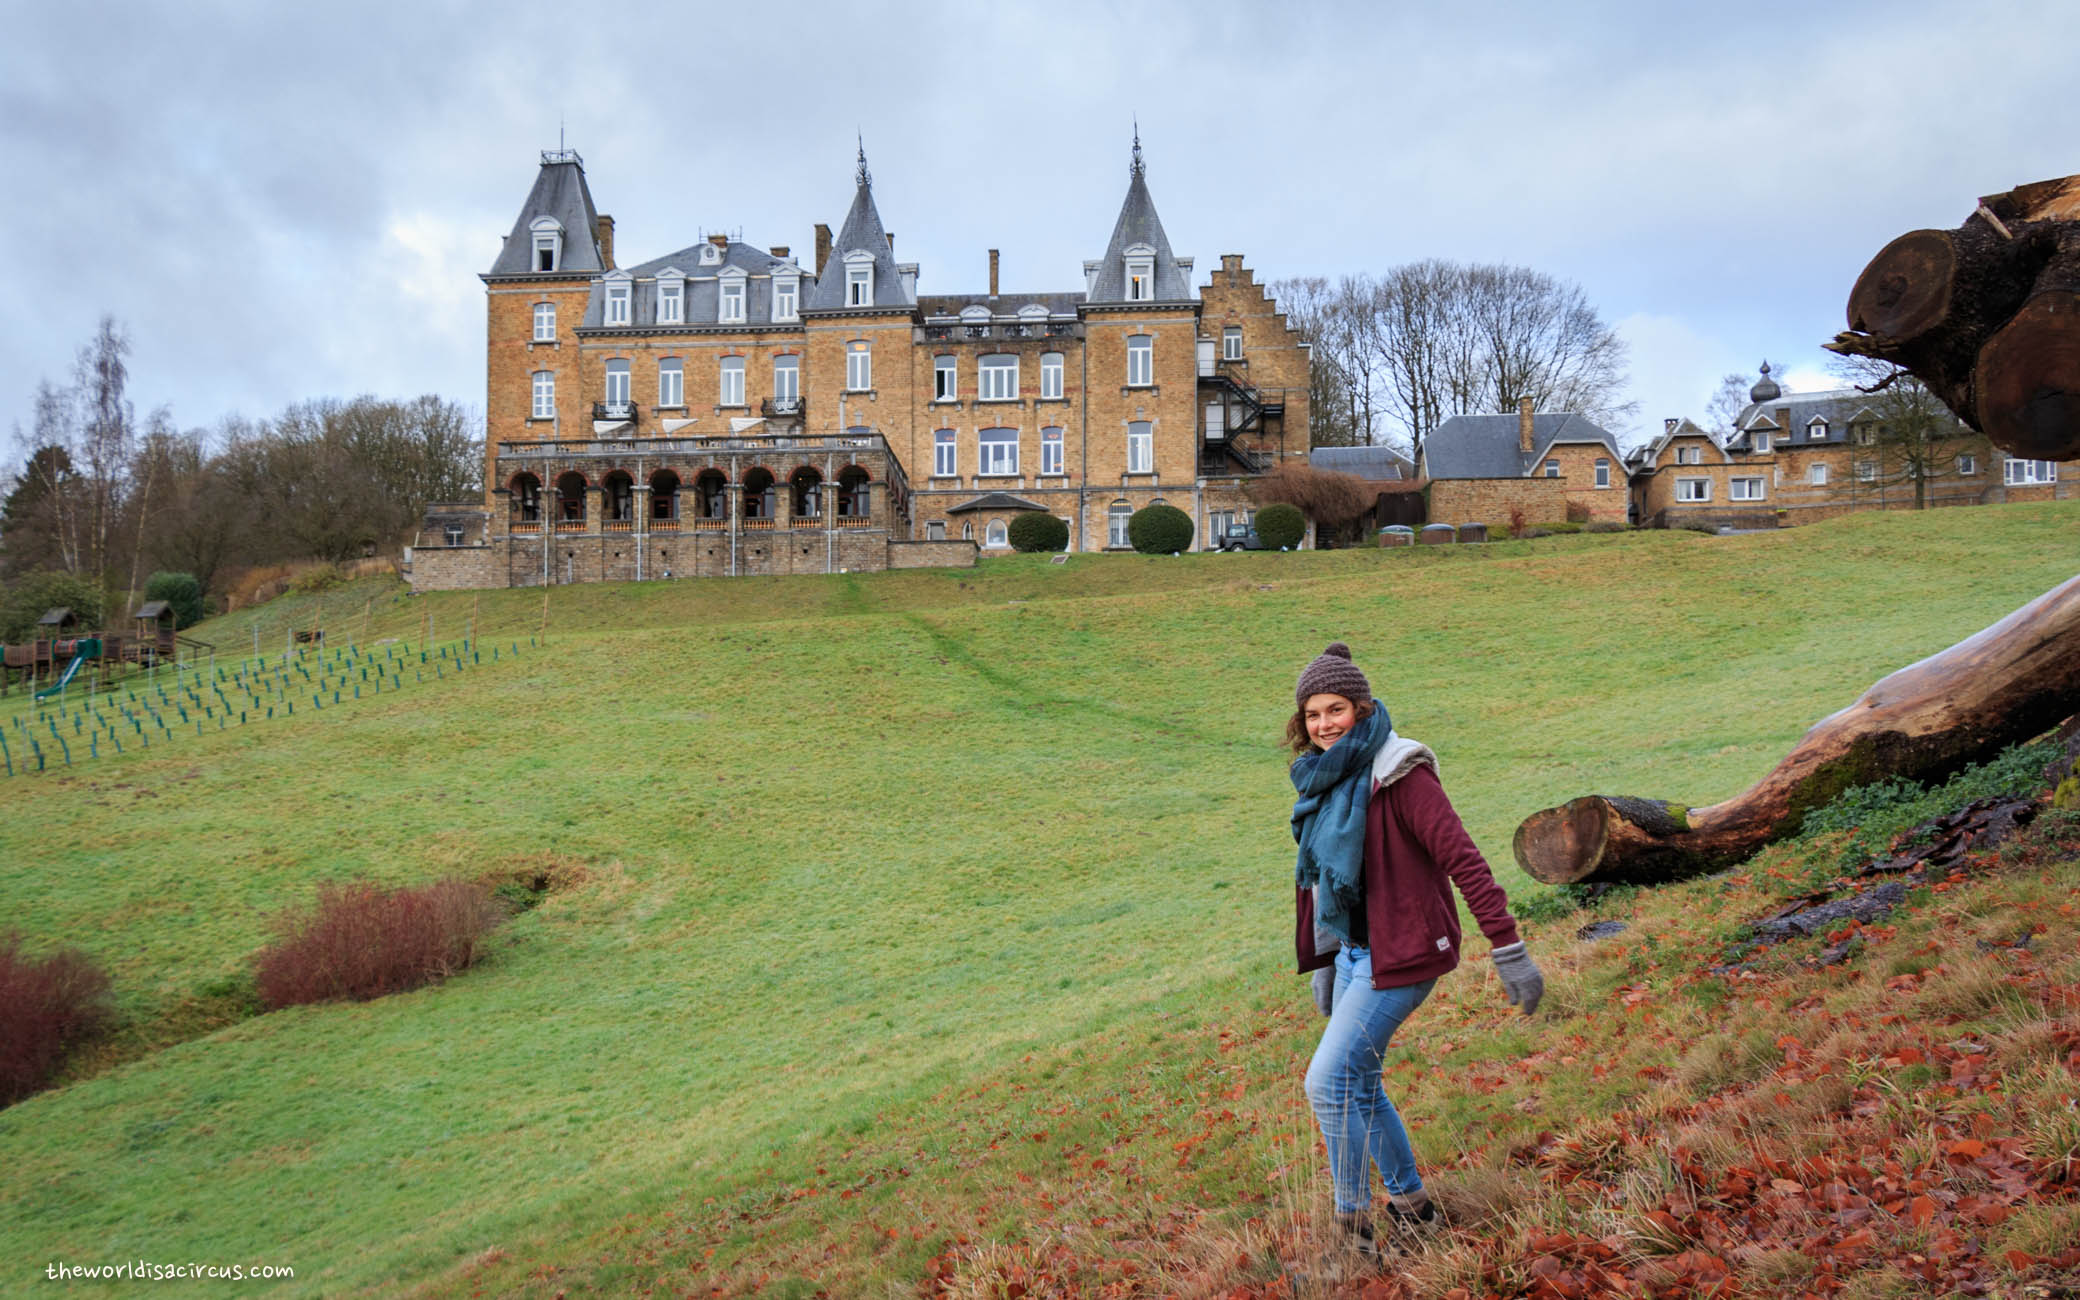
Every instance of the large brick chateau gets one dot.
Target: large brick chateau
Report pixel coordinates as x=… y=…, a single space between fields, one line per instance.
x=731 y=409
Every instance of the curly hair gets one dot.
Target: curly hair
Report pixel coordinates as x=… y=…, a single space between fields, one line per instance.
x=1299 y=742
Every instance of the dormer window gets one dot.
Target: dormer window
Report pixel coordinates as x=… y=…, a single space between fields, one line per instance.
x=671 y=298
x=548 y=244
x=859 y=279
x=617 y=301
x=711 y=254
x=1817 y=429
x=787 y=296
x=1141 y=273
x=731 y=310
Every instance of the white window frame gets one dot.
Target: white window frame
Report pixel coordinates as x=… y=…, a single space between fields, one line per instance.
x=1816 y=430
x=729 y=382
x=2029 y=473
x=859 y=279
x=1231 y=343
x=545 y=322
x=1816 y=475
x=1866 y=471
x=996 y=456
x=671 y=300
x=1116 y=516
x=946 y=454
x=995 y=536
x=946 y=378
x=1603 y=471
x=1216 y=422
x=1552 y=469
x=1141 y=360
x=1863 y=435
x=1140 y=263
x=732 y=293
x=548 y=238
x=1691 y=455
x=619 y=386
x=619 y=292
x=787 y=377
x=1693 y=491
x=996 y=377
x=1755 y=490
x=1141 y=447
x=787 y=297
x=544 y=395
x=859 y=368
x=1051 y=364
x=1761 y=442
x=1052 y=444
x=671 y=382
x=1967 y=464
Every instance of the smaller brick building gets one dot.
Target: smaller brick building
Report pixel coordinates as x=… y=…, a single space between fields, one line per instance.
x=1542 y=467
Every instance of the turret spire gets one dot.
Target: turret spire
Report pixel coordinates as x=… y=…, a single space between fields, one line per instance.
x=1138 y=168
x=863 y=177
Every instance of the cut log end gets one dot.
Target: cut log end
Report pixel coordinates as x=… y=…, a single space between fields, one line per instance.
x=1560 y=846
x=1905 y=291
x=2029 y=380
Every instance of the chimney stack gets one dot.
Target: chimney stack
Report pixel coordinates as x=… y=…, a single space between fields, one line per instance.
x=779 y=250
x=823 y=246
x=992 y=272
x=891 y=242
x=604 y=231
x=1668 y=424
x=1524 y=425
x=720 y=241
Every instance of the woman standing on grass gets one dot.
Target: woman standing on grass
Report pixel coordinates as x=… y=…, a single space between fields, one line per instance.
x=1375 y=922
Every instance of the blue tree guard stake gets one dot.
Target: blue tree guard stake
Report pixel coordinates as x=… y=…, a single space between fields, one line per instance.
x=5 y=756
x=38 y=751
x=66 y=750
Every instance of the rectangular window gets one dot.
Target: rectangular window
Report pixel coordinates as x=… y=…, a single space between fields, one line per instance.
x=671 y=302
x=1817 y=475
x=1216 y=422
x=1693 y=489
x=946 y=379
x=859 y=286
x=1689 y=455
x=617 y=304
x=544 y=395
x=945 y=461
x=859 y=368
x=1866 y=436
x=1141 y=448
x=545 y=322
x=1116 y=524
x=999 y=453
x=732 y=312
x=454 y=534
x=1744 y=489
x=671 y=382
x=786 y=291
x=1967 y=464
x=1231 y=343
x=1141 y=360
x=732 y=392
x=998 y=381
x=935 y=530
x=1051 y=376
x=1761 y=442
x=2023 y=473
x=617 y=389
x=1141 y=279
x=545 y=251
x=1050 y=451
x=1603 y=472
x=1866 y=471
x=787 y=379
x=1552 y=469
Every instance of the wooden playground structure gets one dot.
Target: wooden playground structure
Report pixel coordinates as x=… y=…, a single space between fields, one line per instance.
x=95 y=661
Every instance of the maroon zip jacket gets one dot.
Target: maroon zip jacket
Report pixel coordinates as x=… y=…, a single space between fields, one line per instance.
x=1413 y=842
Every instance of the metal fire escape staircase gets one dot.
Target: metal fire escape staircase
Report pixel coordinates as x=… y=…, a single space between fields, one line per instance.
x=1245 y=410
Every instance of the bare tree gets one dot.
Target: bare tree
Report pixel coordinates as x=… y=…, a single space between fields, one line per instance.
x=1722 y=412
x=1909 y=438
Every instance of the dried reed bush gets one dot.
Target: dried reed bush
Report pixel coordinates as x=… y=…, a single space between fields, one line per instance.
x=48 y=1006
x=363 y=941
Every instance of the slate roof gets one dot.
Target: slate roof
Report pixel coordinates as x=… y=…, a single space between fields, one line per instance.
x=1007 y=304
x=995 y=501
x=703 y=304
x=1485 y=446
x=1647 y=456
x=560 y=192
x=1838 y=405
x=1138 y=224
x=1380 y=464
x=862 y=230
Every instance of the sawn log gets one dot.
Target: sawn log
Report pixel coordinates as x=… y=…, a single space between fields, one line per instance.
x=2008 y=683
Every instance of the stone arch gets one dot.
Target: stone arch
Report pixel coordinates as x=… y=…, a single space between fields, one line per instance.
x=570 y=496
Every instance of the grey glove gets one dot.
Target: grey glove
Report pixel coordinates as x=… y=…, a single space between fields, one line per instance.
x=1520 y=977
x=1324 y=988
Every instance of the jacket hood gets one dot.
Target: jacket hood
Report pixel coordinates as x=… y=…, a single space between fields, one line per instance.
x=1396 y=758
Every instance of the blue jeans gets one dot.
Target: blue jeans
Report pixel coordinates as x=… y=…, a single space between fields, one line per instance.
x=1359 y=1124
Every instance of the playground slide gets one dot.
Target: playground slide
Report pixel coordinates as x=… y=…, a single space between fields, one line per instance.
x=71 y=671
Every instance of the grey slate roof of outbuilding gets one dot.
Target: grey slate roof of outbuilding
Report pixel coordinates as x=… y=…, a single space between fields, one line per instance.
x=994 y=501
x=560 y=192
x=1485 y=446
x=1138 y=224
x=862 y=230
x=1838 y=406
x=703 y=304
x=1380 y=464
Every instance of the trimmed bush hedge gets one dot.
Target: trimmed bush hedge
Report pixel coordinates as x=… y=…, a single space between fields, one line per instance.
x=1036 y=530
x=1159 y=530
x=1280 y=526
x=364 y=941
x=47 y=1008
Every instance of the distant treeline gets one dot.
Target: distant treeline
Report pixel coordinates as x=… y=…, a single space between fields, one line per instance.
x=105 y=496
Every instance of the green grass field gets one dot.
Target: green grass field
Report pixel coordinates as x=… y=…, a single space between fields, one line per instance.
x=834 y=846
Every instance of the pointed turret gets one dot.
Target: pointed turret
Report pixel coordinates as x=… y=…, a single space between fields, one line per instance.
x=558 y=229
x=1139 y=249
x=861 y=272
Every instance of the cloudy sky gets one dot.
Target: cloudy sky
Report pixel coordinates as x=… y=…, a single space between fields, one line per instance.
x=287 y=201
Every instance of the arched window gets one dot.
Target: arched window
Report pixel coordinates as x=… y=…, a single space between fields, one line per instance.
x=620 y=497
x=570 y=498
x=855 y=493
x=527 y=498
x=758 y=494
x=664 y=495
x=708 y=490
x=807 y=486
x=1116 y=523
x=548 y=243
x=995 y=534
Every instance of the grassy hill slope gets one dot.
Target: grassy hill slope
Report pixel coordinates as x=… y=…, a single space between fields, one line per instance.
x=834 y=851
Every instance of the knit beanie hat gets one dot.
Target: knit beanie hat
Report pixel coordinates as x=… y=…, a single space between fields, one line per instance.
x=1332 y=673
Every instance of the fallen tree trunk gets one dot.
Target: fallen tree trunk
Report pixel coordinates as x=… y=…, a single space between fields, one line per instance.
x=1984 y=315
x=2008 y=683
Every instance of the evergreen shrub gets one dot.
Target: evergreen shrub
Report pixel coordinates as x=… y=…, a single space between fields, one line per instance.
x=1036 y=530
x=27 y=600
x=1159 y=530
x=1280 y=526
x=183 y=592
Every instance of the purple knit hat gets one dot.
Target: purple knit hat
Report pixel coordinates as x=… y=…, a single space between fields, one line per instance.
x=1332 y=673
